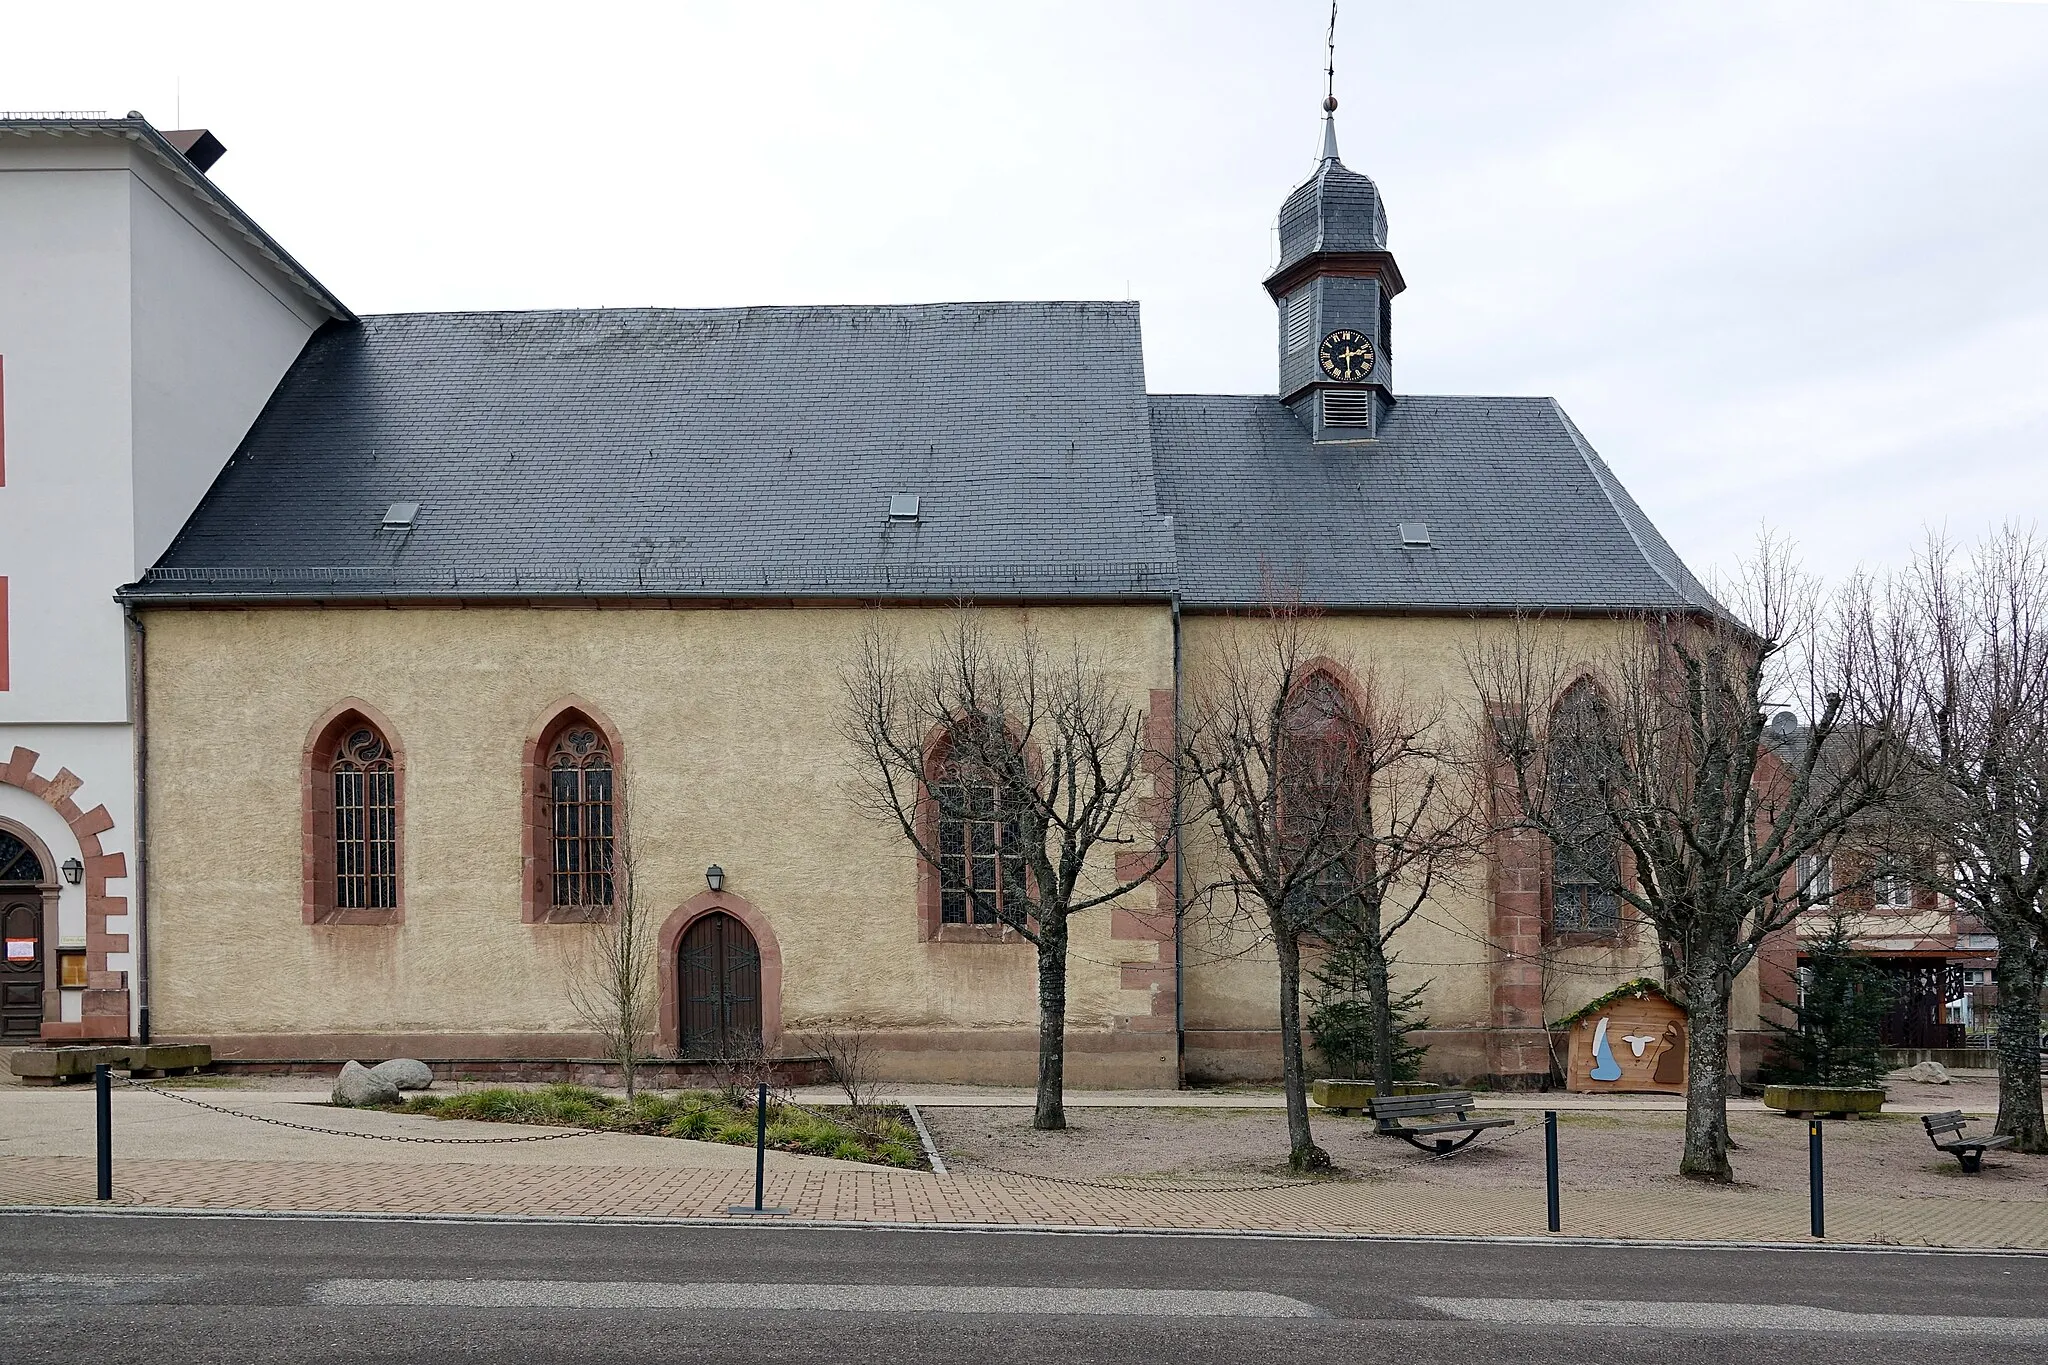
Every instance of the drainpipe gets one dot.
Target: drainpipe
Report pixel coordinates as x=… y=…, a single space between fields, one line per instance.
x=1180 y=999
x=138 y=879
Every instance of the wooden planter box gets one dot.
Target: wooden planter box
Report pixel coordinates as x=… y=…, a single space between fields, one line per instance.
x=1824 y=1101
x=1351 y=1097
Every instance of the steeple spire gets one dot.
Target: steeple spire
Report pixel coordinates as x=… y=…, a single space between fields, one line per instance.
x=1330 y=89
x=1334 y=288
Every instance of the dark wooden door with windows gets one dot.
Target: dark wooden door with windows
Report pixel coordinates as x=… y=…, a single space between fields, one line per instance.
x=21 y=966
x=720 y=967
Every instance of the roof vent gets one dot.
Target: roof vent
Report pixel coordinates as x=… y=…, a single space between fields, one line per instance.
x=399 y=516
x=1415 y=534
x=1347 y=408
x=903 y=506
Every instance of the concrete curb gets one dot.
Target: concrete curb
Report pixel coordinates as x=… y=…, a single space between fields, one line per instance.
x=1031 y=1229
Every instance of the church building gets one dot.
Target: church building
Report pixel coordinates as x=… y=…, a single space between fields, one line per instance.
x=474 y=595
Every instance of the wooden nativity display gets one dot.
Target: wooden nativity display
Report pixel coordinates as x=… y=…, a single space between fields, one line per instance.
x=1629 y=1041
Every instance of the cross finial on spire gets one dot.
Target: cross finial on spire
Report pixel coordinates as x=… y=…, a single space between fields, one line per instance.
x=1330 y=88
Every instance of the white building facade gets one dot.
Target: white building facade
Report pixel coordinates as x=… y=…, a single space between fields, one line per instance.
x=144 y=322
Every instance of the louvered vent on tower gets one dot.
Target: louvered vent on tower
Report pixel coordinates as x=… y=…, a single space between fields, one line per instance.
x=1348 y=408
x=1301 y=320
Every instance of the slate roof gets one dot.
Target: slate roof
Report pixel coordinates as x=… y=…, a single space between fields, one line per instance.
x=660 y=452
x=1520 y=511
x=1336 y=209
x=754 y=452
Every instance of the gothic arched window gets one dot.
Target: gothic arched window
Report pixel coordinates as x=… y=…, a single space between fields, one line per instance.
x=355 y=823
x=979 y=841
x=580 y=787
x=365 y=822
x=1319 y=787
x=1585 y=863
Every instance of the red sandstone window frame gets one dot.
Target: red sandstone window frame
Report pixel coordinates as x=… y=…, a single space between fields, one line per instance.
x=321 y=840
x=932 y=883
x=1553 y=885
x=538 y=834
x=1335 y=746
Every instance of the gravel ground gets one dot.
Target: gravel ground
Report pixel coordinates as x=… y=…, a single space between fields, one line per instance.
x=1606 y=1151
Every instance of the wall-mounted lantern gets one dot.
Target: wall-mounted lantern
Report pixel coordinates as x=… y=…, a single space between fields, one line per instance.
x=74 y=871
x=714 y=877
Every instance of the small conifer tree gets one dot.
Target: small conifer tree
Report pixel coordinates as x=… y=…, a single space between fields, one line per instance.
x=1835 y=1037
x=1340 y=1016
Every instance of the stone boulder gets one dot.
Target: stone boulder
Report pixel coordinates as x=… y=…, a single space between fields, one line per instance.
x=1929 y=1073
x=405 y=1073
x=358 y=1085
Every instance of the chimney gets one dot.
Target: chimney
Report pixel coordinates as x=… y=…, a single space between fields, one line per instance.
x=198 y=146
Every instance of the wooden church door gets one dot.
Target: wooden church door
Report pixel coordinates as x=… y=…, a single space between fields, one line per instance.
x=720 y=966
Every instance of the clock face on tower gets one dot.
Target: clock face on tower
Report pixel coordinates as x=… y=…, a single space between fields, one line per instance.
x=1346 y=356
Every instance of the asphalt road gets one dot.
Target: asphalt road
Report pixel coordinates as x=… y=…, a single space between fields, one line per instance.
x=116 y=1289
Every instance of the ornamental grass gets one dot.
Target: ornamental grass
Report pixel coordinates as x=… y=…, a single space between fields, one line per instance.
x=877 y=1135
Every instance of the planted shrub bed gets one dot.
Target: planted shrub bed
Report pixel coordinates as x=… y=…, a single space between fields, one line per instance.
x=880 y=1135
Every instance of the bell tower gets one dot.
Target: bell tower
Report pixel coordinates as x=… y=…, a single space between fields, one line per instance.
x=1334 y=290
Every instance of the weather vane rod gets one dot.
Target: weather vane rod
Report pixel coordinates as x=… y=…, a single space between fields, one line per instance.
x=1330 y=65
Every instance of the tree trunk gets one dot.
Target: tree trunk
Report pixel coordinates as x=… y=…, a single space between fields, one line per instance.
x=2019 y=1043
x=1379 y=989
x=1052 y=1025
x=1706 y=1086
x=1302 y=1152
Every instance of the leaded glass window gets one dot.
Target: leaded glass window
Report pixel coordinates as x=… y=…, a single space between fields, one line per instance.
x=980 y=845
x=365 y=822
x=1320 y=792
x=1585 y=865
x=581 y=779
x=17 y=862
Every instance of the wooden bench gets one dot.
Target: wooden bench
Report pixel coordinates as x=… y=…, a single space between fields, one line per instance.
x=1967 y=1150
x=1446 y=1112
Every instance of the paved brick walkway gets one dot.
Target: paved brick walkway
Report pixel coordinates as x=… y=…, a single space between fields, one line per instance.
x=865 y=1194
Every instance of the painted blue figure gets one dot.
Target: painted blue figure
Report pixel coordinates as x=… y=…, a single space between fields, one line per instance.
x=1605 y=1068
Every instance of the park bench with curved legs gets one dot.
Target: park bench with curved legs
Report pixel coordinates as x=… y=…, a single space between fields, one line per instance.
x=1442 y=1114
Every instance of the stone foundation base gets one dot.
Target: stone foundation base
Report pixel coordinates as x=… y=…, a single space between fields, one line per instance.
x=1095 y=1060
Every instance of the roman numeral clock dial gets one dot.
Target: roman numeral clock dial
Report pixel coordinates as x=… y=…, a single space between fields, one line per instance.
x=1346 y=356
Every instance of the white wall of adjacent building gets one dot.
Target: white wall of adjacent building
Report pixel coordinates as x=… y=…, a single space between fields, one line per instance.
x=140 y=336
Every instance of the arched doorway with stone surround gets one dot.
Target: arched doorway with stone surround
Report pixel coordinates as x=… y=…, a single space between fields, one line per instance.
x=28 y=935
x=720 y=970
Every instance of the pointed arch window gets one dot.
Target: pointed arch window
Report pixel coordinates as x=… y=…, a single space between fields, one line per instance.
x=574 y=815
x=365 y=822
x=1585 y=864
x=355 y=821
x=1319 y=786
x=979 y=839
x=580 y=784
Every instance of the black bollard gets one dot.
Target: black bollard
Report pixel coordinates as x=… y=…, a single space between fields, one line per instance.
x=1550 y=1167
x=1815 y=1203
x=103 y=1102
x=760 y=1161
x=760 y=1145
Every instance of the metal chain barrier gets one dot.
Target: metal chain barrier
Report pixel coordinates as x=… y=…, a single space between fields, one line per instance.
x=342 y=1132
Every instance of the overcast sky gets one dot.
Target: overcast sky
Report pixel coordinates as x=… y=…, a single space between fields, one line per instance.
x=1781 y=260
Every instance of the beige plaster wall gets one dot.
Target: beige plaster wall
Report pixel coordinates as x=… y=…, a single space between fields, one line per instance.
x=1232 y=977
x=729 y=719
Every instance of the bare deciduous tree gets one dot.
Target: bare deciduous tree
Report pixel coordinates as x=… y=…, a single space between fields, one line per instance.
x=1044 y=751
x=850 y=1046
x=1978 y=812
x=610 y=975
x=1340 y=806
x=1668 y=757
